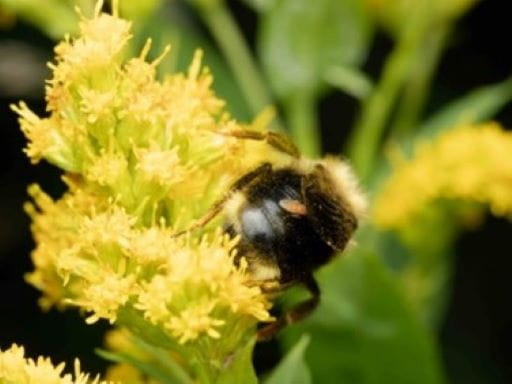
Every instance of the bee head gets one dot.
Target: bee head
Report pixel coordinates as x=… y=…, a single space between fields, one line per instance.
x=333 y=201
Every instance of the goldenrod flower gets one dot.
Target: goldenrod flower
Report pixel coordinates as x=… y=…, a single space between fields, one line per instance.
x=143 y=159
x=16 y=369
x=468 y=164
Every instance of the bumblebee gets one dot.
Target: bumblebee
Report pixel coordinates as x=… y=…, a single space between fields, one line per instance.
x=291 y=220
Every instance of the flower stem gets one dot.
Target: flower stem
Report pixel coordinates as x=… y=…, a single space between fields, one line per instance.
x=301 y=116
x=368 y=132
x=226 y=32
x=416 y=90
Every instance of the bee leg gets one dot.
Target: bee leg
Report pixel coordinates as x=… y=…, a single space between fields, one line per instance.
x=268 y=287
x=279 y=141
x=248 y=178
x=203 y=220
x=296 y=313
x=216 y=208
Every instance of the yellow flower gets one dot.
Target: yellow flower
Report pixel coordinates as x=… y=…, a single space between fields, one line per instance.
x=108 y=169
x=467 y=164
x=143 y=158
x=199 y=280
x=16 y=369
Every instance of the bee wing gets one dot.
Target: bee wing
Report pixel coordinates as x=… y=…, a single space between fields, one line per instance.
x=331 y=216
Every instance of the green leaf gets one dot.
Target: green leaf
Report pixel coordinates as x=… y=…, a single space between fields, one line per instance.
x=292 y=369
x=259 y=5
x=478 y=105
x=139 y=11
x=240 y=368
x=365 y=331
x=422 y=258
x=350 y=80
x=162 y=357
x=300 y=39
x=55 y=18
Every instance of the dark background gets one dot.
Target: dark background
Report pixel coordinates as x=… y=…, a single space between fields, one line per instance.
x=476 y=336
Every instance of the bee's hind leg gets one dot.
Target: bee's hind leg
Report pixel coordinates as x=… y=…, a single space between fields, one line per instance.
x=294 y=314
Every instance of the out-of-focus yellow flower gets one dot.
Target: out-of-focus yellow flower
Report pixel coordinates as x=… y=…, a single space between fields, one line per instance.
x=143 y=159
x=126 y=374
x=16 y=369
x=121 y=340
x=467 y=164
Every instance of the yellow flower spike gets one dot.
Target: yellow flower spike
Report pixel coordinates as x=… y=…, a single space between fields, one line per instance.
x=144 y=158
x=470 y=163
x=16 y=369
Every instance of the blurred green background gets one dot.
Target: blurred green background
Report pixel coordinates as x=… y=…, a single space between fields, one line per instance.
x=475 y=333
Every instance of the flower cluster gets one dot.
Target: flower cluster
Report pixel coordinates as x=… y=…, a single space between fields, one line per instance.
x=143 y=159
x=468 y=164
x=16 y=369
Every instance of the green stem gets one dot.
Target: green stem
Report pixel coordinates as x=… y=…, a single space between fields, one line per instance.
x=301 y=116
x=226 y=32
x=417 y=88
x=368 y=132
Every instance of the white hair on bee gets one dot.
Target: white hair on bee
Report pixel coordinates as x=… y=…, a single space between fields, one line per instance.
x=346 y=184
x=344 y=180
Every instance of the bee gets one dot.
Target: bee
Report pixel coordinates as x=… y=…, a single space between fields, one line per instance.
x=291 y=220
